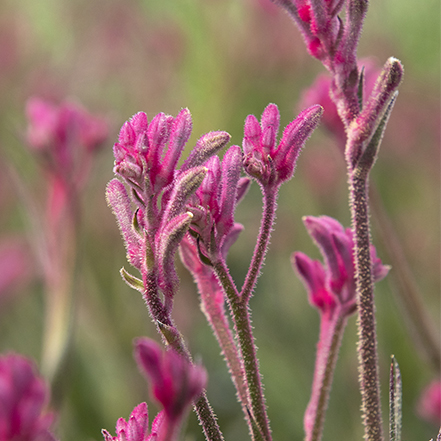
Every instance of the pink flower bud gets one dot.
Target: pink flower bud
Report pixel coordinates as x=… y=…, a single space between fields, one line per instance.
x=174 y=381
x=336 y=279
x=272 y=165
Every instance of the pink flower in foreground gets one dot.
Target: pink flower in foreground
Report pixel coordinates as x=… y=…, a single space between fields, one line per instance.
x=269 y=163
x=65 y=135
x=429 y=404
x=136 y=428
x=175 y=382
x=332 y=285
x=23 y=396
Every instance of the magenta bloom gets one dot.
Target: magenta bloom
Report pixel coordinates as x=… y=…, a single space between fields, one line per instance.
x=429 y=404
x=146 y=157
x=65 y=136
x=137 y=426
x=175 y=382
x=267 y=162
x=332 y=286
x=23 y=396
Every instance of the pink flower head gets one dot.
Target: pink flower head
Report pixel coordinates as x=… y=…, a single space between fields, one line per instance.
x=137 y=426
x=150 y=151
x=146 y=157
x=23 y=396
x=272 y=165
x=429 y=404
x=175 y=382
x=66 y=135
x=215 y=201
x=332 y=285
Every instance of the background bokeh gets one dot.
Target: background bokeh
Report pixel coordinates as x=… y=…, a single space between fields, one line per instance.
x=223 y=60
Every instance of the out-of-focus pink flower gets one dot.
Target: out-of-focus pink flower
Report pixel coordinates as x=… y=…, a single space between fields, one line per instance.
x=175 y=382
x=137 y=426
x=332 y=285
x=23 y=396
x=272 y=165
x=65 y=136
x=429 y=404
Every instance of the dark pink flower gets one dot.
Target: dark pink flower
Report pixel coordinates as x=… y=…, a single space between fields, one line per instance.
x=332 y=285
x=215 y=201
x=137 y=426
x=65 y=136
x=174 y=381
x=429 y=404
x=23 y=397
x=267 y=162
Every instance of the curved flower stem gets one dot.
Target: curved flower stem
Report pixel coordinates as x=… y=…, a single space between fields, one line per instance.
x=331 y=334
x=242 y=322
x=367 y=345
x=266 y=226
x=216 y=317
x=172 y=336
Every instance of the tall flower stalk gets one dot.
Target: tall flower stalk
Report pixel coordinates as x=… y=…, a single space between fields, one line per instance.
x=334 y=42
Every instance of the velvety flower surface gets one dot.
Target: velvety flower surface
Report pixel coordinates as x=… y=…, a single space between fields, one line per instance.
x=23 y=397
x=267 y=162
x=333 y=284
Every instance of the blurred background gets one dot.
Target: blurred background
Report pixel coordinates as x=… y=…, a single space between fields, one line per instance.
x=223 y=60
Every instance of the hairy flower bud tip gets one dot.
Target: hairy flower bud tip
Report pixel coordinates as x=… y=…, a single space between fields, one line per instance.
x=269 y=164
x=136 y=428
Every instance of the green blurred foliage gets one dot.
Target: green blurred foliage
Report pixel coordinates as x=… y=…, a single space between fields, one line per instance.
x=223 y=60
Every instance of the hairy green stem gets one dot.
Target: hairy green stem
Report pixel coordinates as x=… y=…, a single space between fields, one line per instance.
x=242 y=323
x=266 y=226
x=327 y=355
x=367 y=344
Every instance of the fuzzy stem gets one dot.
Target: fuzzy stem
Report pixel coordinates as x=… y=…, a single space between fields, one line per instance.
x=207 y=419
x=202 y=407
x=331 y=335
x=266 y=226
x=218 y=321
x=242 y=322
x=367 y=344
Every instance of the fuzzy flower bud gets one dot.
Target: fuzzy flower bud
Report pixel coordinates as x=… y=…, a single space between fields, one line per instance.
x=332 y=285
x=269 y=164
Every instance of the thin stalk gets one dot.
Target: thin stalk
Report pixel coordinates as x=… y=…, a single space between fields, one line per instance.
x=266 y=226
x=202 y=407
x=242 y=323
x=367 y=344
x=218 y=321
x=327 y=354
